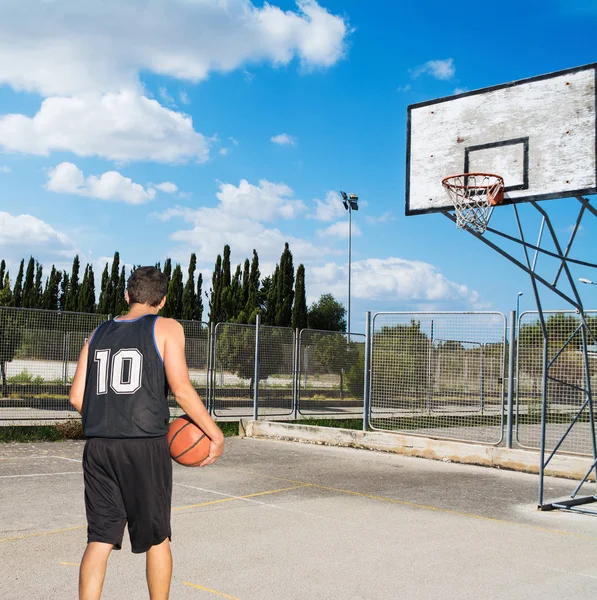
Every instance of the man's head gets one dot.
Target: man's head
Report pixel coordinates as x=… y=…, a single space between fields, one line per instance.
x=147 y=285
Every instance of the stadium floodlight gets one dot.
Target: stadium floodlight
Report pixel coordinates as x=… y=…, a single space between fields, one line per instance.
x=350 y=202
x=587 y=281
x=344 y=199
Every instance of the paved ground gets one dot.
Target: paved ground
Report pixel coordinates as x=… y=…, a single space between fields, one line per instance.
x=277 y=520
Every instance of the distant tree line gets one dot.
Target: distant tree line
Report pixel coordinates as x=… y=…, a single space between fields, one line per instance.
x=234 y=297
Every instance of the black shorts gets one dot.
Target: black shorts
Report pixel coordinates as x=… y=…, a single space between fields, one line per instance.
x=128 y=481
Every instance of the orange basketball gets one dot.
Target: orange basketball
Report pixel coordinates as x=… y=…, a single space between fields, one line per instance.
x=189 y=446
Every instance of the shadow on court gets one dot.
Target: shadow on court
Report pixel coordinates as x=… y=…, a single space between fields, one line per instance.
x=277 y=520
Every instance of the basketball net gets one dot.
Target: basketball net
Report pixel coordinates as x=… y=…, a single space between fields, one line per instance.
x=474 y=196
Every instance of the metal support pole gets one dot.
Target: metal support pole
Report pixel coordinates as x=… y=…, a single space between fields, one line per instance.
x=367 y=374
x=349 y=265
x=296 y=382
x=256 y=373
x=511 y=375
x=211 y=345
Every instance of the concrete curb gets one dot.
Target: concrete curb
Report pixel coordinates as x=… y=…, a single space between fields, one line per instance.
x=527 y=461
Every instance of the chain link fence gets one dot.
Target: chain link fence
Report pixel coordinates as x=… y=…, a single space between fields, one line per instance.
x=566 y=376
x=197 y=352
x=330 y=373
x=439 y=374
x=39 y=350
x=233 y=372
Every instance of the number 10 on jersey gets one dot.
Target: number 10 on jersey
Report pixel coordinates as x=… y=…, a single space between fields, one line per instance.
x=124 y=372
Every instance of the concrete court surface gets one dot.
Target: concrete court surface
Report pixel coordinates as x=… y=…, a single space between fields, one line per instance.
x=280 y=520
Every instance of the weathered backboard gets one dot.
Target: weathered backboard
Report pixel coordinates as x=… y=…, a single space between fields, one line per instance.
x=539 y=134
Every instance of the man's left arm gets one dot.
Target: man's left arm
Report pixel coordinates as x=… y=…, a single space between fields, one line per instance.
x=77 y=389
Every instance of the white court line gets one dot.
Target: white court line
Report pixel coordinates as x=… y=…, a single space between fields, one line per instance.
x=40 y=474
x=294 y=510
x=77 y=460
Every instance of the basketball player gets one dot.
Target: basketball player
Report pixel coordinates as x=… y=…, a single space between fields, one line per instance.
x=120 y=389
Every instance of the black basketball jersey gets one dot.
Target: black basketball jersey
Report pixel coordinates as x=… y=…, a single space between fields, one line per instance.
x=126 y=388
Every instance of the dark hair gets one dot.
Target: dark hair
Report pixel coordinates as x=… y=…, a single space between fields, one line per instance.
x=147 y=285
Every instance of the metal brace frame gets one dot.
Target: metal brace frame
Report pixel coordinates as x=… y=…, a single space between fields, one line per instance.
x=572 y=297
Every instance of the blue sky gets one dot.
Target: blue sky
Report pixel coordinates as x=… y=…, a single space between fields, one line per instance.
x=160 y=132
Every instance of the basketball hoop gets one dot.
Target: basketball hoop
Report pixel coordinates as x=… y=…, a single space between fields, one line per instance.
x=474 y=196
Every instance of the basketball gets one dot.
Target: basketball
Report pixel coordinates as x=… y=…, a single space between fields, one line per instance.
x=189 y=446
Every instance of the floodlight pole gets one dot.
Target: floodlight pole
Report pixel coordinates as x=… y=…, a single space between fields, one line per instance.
x=349 y=265
x=350 y=202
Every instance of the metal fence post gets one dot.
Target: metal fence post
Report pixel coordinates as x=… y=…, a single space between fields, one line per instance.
x=511 y=374
x=211 y=344
x=296 y=376
x=367 y=374
x=256 y=374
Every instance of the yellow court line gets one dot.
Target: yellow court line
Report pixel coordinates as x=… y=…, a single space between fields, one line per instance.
x=425 y=506
x=231 y=498
x=70 y=564
x=40 y=533
x=220 y=500
x=215 y=592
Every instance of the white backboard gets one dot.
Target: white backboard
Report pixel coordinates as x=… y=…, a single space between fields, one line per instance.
x=539 y=134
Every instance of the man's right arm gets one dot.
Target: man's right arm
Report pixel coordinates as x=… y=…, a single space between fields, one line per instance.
x=187 y=398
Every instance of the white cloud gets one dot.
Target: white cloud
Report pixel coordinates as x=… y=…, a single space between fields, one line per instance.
x=404 y=88
x=283 y=139
x=233 y=140
x=167 y=187
x=67 y=178
x=266 y=202
x=329 y=209
x=27 y=230
x=339 y=230
x=224 y=151
x=460 y=90
x=184 y=98
x=240 y=220
x=392 y=279
x=70 y=47
x=165 y=96
x=119 y=126
x=439 y=69
x=387 y=216
x=4 y=169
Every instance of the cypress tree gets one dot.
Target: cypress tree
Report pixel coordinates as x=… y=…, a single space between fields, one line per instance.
x=37 y=290
x=173 y=308
x=245 y=289
x=17 y=294
x=5 y=291
x=253 y=301
x=120 y=304
x=62 y=296
x=285 y=294
x=189 y=297
x=216 y=284
x=199 y=306
x=72 y=296
x=2 y=272
x=226 y=279
x=234 y=296
x=271 y=300
x=103 y=306
x=112 y=298
x=50 y=296
x=90 y=290
x=168 y=273
x=29 y=285
x=168 y=269
x=87 y=292
x=299 y=308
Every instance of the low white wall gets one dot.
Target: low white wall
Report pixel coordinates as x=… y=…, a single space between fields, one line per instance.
x=570 y=467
